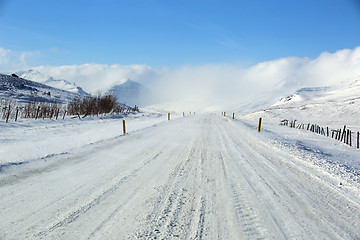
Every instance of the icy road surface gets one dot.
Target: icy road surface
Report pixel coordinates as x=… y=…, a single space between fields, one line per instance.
x=198 y=177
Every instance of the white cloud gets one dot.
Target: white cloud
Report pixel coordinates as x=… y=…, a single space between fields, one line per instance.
x=99 y=77
x=216 y=83
x=4 y=56
x=230 y=84
x=24 y=58
x=11 y=61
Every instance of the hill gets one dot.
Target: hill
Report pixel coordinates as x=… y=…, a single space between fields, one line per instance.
x=23 y=91
x=131 y=93
x=50 y=81
x=331 y=105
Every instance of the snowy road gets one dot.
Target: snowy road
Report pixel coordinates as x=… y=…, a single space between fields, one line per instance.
x=199 y=177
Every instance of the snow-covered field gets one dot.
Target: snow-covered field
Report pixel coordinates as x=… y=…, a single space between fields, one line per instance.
x=333 y=106
x=30 y=140
x=198 y=177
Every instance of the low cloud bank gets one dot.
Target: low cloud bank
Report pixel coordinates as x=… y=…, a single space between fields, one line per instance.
x=215 y=83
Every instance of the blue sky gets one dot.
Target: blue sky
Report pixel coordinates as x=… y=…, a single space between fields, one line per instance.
x=166 y=33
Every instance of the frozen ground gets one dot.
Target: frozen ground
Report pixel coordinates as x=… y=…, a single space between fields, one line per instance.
x=198 y=177
x=32 y=140
x=332 y=106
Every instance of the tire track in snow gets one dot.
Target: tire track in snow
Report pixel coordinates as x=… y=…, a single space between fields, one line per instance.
x=163 y=220
x=212 y=183
x=95 y=200
x=248 y=219
x=179 y=209
x=292 y=191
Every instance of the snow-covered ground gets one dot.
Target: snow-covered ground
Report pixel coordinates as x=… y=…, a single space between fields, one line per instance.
x=197 y=177
x=31 y=140
x=333 y=106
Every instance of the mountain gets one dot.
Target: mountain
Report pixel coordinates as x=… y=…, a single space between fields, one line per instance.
x=50 y=81
x=131 y=93
x=332 y=105
x=23 y=91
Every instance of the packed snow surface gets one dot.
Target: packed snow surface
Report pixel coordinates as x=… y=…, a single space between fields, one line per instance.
x=193 y=177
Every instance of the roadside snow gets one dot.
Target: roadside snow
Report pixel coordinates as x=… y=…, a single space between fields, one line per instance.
x=329 y=155
x=28 y=140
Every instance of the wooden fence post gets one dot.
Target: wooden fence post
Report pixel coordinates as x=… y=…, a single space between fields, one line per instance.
x=37 y=112
x=16 y=116
x=168 y=116
x=358 y=136
x=259 y=127
x=350 y=138
x=124 y=129
x=183 y=114
x=224 y=114
x=343 y=135
x=233 y=116
x=57 y=113
x=8 y=114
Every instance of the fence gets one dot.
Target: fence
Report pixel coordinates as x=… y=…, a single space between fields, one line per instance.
x=12 y=111
x=31 y=110
x=341 y=134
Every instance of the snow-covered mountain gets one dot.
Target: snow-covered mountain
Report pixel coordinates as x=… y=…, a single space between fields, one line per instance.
x=131 y=93
x=23 y=91
x=50 y=81
x=333 y=105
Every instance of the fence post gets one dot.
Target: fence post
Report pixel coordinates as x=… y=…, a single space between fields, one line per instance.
x=124 y=129
x=183 y=114
x=224 y=114
x=37 y=112
x=358 y=136
x=259 y=127
x=233 y=116
x=327 y=131
x=168 y=116
x=17 y=111
x=343 y=135
x=350 y=138
x=8 y=114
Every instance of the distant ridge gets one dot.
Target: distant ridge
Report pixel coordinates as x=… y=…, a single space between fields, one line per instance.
x=131 y=93
x=63 y=84
x=24 y=91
